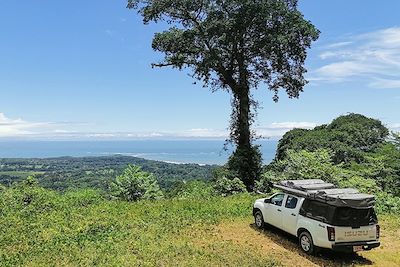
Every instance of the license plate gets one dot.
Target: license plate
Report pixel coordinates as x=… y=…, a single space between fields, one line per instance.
x=357 y=248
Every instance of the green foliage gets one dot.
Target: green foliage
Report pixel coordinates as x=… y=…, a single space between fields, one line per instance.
x=366 y=177
x=365 y=185
x=308 y=165
x=225 y=186
x=395 y=138
x=82 y=229
x=347 y=136
x=134 y=184
x=69 y=173
x=247 y=165
x=27 y=198
x=83 y=197
x=382 y=166
x=387 y=203
x=268 y=40
x=196 y=189
x=31 y=181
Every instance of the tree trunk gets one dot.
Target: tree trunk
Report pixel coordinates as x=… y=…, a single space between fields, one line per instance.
x=243 y=123
x=246 y=160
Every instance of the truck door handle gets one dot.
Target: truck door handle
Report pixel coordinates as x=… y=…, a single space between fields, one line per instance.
x=279 y=210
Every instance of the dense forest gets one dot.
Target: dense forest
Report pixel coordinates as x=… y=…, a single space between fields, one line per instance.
x=95 y=172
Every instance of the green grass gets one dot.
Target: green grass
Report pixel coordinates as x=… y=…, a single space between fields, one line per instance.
x=39 y=227
x=81 y=229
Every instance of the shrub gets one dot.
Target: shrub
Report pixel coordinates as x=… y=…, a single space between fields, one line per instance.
x=387 y=203
x=83 y=197
x=225 y=186
x=196 y=189
x=135 y=184
x=246 y=164
x=264 y=184
x=28 y=198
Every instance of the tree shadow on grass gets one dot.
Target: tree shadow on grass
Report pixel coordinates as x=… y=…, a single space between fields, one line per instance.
x=324 y=257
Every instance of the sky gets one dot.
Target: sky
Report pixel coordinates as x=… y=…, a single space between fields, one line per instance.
x=81 y=70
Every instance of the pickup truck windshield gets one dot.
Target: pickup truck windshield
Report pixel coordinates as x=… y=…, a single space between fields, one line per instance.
x=338 y=216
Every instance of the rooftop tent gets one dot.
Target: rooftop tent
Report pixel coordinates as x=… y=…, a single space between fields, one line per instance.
x=319 y=190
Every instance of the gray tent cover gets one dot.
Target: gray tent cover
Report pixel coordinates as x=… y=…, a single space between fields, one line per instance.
x=320 y=190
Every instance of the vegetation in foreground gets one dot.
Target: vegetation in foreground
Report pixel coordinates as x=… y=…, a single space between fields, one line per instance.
x=40 y=227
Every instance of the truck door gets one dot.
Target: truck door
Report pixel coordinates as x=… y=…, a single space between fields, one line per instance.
x=290 y=212
x=274 y=213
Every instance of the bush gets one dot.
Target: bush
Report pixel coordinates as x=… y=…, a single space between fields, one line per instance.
x=247 y=165
x=225 y=186
x=267 y=178
x=28 y=198
x=387 y=203
x=135 y=184
x=196 y=189
x=368 y=186
x=83 y=197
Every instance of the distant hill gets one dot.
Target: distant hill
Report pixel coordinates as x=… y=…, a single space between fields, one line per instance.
x=94 y=172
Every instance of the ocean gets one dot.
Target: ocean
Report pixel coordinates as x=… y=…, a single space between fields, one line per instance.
x=176 y=151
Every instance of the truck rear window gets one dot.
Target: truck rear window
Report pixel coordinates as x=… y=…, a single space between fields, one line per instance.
x=354 y=217
x=338 y=216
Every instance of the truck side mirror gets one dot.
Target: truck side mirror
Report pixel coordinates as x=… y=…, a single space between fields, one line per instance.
x=267 y=200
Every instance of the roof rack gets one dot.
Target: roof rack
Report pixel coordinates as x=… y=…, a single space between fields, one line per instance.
x=320 y=190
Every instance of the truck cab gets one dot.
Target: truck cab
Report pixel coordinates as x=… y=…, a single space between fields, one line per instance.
x=319 y=224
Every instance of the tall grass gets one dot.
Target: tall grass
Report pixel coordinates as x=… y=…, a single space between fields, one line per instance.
x=39 y=227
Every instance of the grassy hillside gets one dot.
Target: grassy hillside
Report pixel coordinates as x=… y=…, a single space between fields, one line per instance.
x=39 y=227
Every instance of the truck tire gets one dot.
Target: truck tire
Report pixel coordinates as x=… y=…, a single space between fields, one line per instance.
x=259 y=220
x=306 y=243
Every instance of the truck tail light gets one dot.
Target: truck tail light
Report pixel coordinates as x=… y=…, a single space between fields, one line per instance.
x=331 y=233
x=378 y=231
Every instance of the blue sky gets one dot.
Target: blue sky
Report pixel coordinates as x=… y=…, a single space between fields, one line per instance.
x=81 y=69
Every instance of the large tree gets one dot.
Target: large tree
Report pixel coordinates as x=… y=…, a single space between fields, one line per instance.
x=348 y=136
x=237 y=46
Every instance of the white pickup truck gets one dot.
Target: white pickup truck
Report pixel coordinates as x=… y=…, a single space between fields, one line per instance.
x=319 y=224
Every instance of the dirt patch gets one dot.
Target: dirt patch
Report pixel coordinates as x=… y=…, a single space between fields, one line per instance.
x=283 y=247
x=244 y=234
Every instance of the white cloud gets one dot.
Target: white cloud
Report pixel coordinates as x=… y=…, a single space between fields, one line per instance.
x=18 y=128
x=204 y=133
x=292 y=125
x=385 y=83
x=339 y=44
x=278 y=129
x=372 y=57
x=109 y=32
x=395 y=127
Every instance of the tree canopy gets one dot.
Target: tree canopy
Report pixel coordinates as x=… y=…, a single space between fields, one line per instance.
x=235 y=46
x=347 y=136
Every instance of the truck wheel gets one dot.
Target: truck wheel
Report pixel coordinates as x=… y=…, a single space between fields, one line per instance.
x=306 y=243
x=259 y=220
